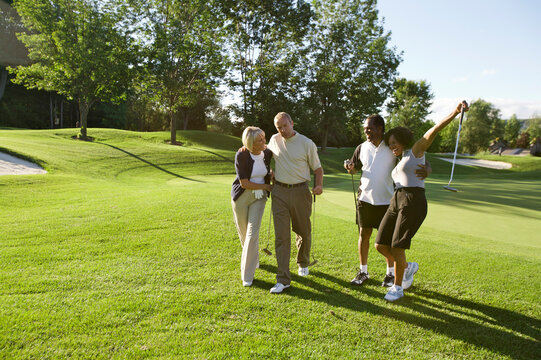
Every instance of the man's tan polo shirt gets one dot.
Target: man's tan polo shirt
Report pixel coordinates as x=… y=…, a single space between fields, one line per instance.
x=293 y=158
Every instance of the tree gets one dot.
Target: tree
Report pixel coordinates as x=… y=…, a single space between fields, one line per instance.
x=409 y=105
x=512 y=130
x=523 y=140
x=478 y=127
x=184 y=56
x=78 y=49
x=448 y=137
x=534 y=127
x=497 y=129
x=350 y=65
x=264 y=38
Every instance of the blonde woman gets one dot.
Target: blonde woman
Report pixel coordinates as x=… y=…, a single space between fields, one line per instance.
x=248 y=197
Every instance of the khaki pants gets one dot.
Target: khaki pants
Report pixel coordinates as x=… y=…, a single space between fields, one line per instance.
x=248 y=212
x=291 y=207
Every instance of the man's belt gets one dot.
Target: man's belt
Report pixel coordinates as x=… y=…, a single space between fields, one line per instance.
x=290 y=185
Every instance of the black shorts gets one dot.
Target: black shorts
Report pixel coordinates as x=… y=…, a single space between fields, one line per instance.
x=368 y=215
x=404 y=217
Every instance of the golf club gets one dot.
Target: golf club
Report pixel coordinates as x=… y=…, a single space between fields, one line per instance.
x=266 y=249
x=314 y=261
x=448 y=187
x=347 y=162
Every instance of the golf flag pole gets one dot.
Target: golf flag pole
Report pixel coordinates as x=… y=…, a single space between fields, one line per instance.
x=448 y=187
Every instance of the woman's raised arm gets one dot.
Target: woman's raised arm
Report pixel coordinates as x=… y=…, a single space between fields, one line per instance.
x=420 y=147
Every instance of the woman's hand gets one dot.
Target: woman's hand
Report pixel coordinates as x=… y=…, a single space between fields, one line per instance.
x=459 y=107
x=268 y=187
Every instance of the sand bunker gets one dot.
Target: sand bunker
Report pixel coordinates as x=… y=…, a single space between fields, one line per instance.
x=11 y=165
x=500 y=165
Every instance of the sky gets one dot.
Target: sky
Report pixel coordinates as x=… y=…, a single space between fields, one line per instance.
x=469 y=50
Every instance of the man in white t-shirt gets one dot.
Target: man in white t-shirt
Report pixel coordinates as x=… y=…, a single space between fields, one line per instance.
x=376 y=188
x=294 y=156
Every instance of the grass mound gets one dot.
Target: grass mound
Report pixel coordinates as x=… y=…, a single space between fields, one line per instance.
x=124 y=154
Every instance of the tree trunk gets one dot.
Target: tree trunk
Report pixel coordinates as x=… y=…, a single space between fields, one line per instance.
x=55 y=112
x=83 y=114
x=51 y=108
x=185 y=118
x=62 y=113
x=173 y=127
x=3 y=81
x=324 y=139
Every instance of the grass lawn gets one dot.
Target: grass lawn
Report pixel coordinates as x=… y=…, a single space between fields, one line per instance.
x=127 y=249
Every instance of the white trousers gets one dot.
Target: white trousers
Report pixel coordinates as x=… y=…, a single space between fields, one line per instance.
x=248 y=212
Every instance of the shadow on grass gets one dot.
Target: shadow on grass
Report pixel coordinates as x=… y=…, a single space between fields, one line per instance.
x=464 y=320
x=215 y=154
x=148 y=162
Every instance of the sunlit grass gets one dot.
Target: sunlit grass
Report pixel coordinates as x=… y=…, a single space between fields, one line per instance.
x=127 y=249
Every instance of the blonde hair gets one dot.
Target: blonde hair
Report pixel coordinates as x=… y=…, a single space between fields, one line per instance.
x=249 y=135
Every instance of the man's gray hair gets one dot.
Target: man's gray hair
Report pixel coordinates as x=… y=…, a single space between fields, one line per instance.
x=283 y=115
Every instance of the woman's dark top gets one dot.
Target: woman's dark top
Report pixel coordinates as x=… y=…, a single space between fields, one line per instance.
x=244 y=165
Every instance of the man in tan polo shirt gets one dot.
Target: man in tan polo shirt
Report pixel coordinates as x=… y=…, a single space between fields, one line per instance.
x=294 y=156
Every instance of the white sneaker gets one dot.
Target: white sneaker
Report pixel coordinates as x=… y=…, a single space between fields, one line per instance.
x=246 y=283
x=278 y=288
x=412 y=269
x=394 y=293
x=303 y=271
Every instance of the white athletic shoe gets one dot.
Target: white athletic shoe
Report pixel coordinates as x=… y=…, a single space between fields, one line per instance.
x=394 y=293
x=303 y=271
x=412 y=269
x=278 y=288
x=246 y=283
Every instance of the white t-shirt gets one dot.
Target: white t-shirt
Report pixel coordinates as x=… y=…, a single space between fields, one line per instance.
x=259 y=170
x=293 y=158
x=404 y=172
x=376 y=182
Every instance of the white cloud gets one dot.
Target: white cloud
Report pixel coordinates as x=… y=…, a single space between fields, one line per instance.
x=441 y=107
x=488 y=72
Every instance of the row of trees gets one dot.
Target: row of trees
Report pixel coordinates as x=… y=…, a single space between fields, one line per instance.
x=326 y=62
x=484 y=126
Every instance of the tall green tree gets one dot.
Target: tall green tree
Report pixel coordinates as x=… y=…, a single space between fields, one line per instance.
x=409 y=105
x=184 y=54
x=78 y=48
x=512 y=130
x=448 y=137
x=264 y=41
x=350 y=64
x=534 y=127
x=497 y=129
x=478 y=127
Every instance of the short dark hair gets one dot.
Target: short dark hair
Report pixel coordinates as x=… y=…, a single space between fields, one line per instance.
x=378 y=120
x=402 y=134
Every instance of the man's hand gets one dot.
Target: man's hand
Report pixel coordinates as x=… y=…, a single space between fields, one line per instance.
x=349 y=166
x=317 y=190
x=423 y=171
